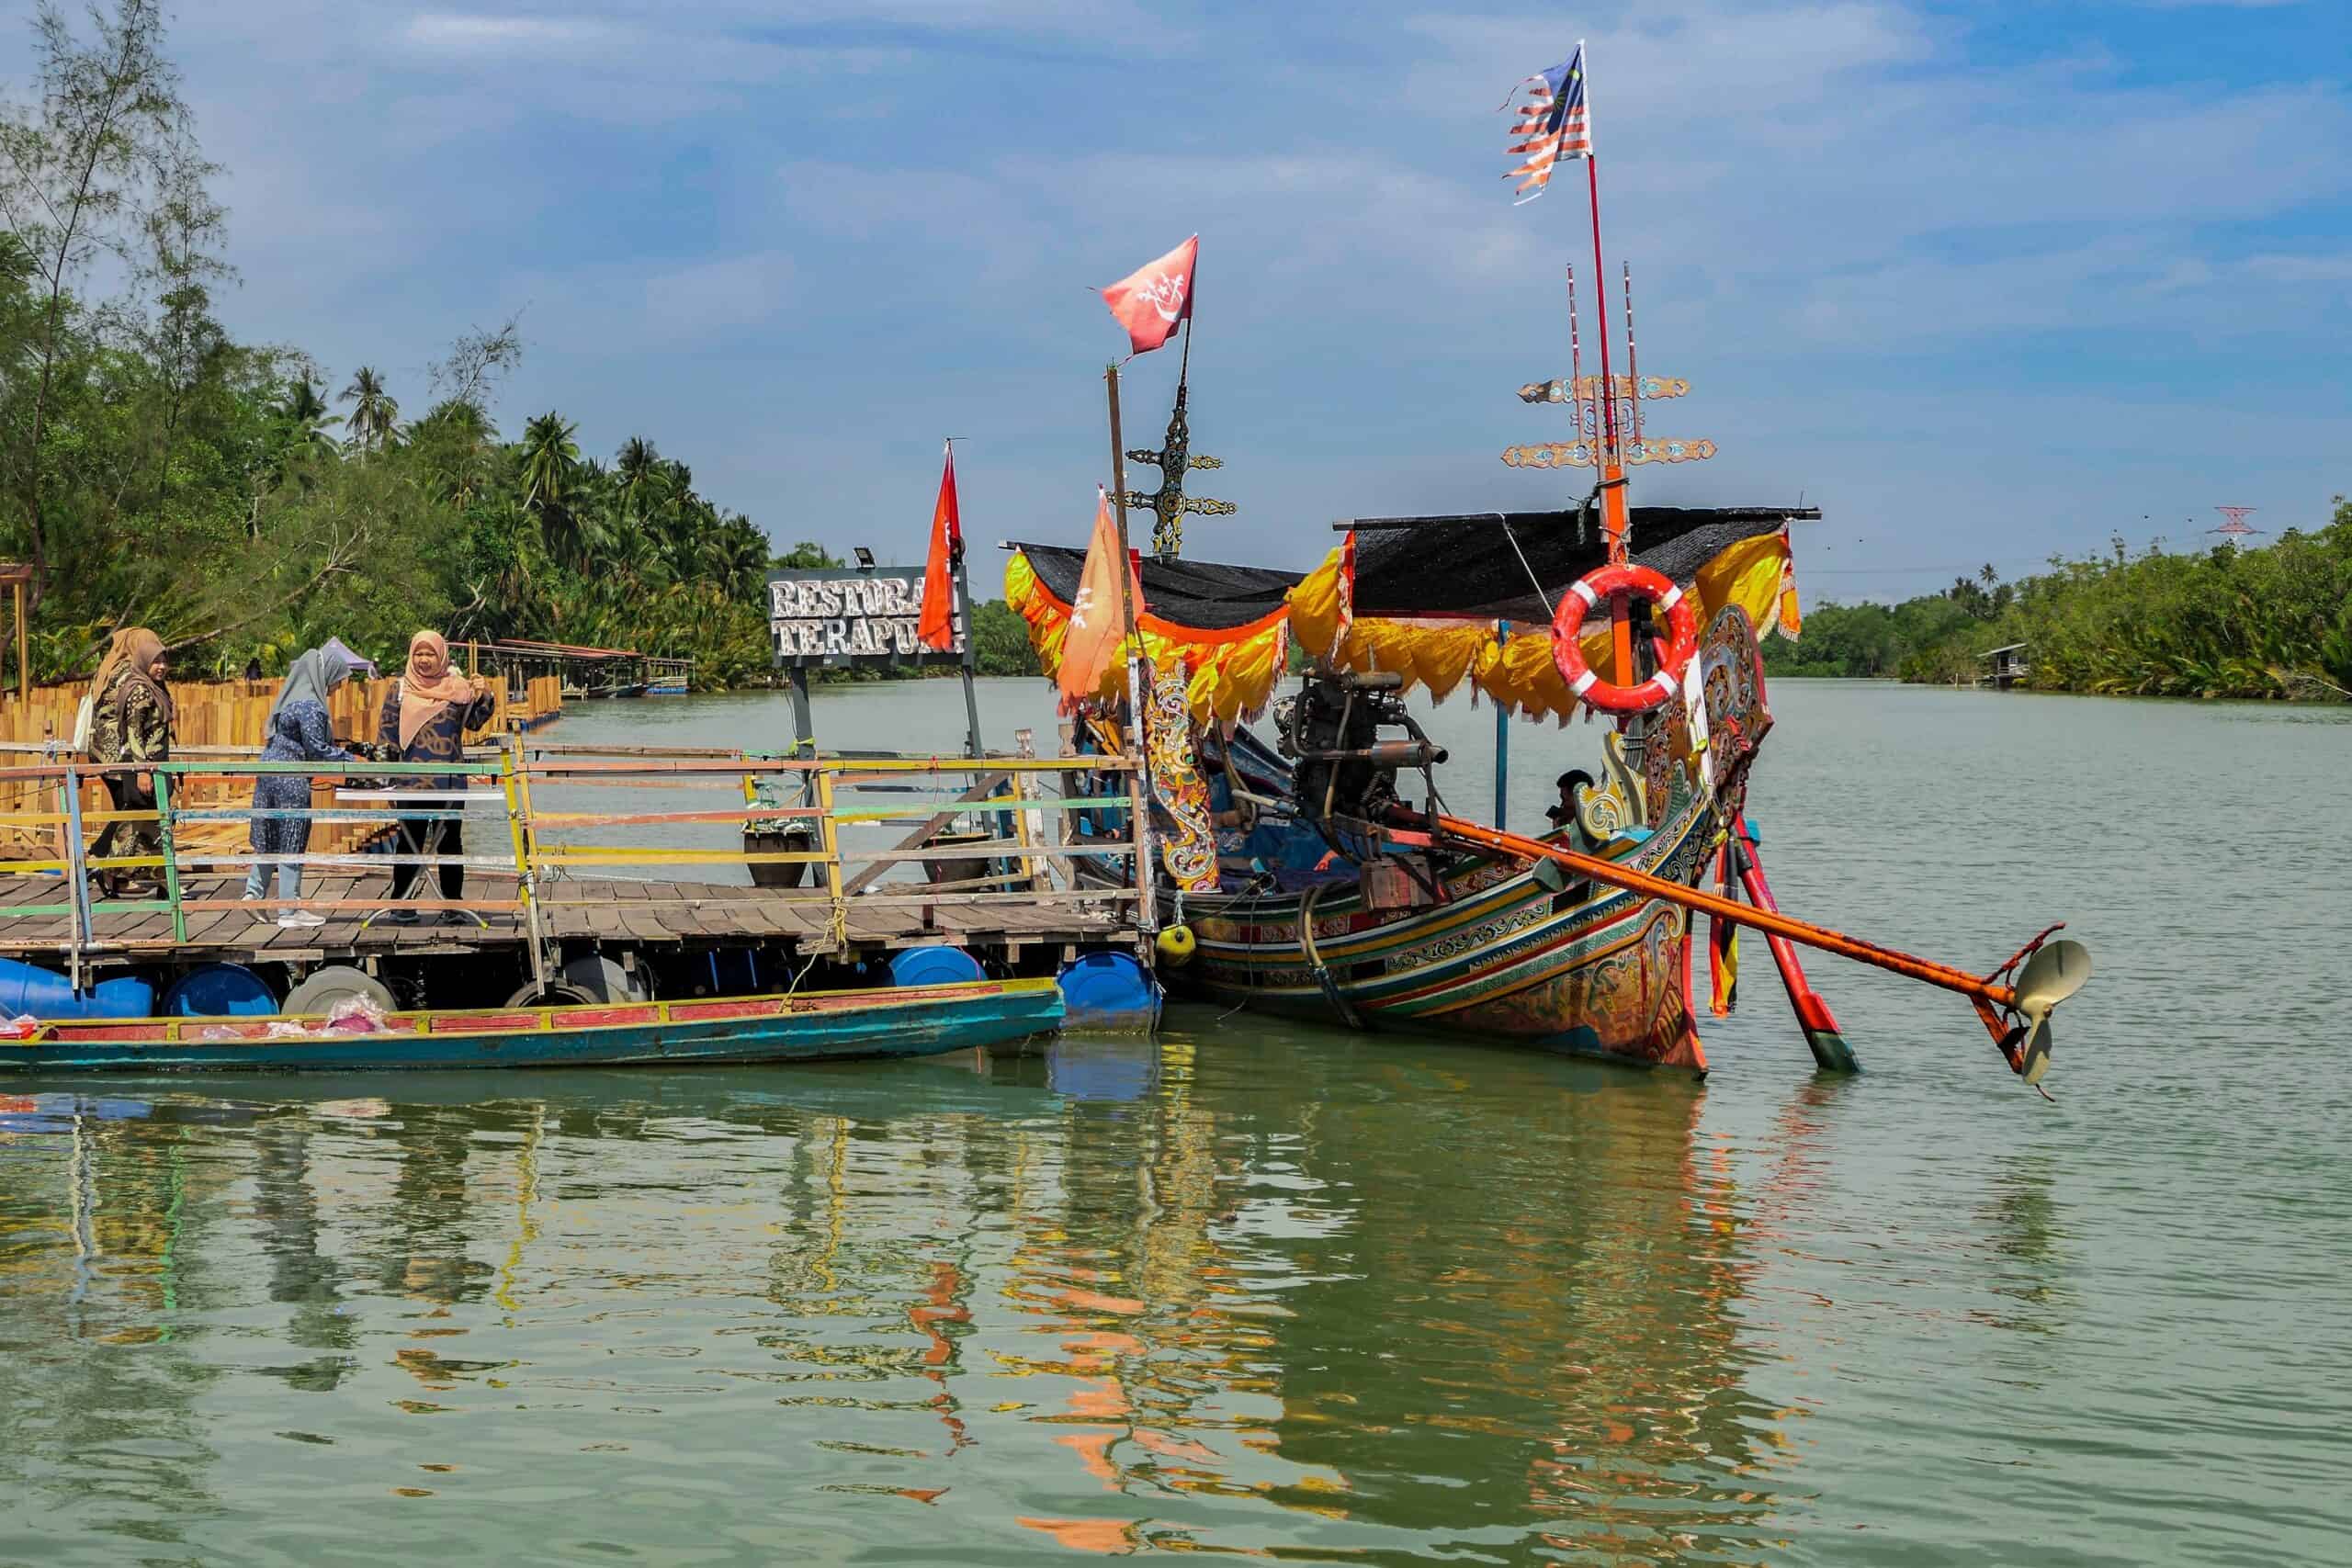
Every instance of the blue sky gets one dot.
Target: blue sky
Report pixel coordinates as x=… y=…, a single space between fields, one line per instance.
x=1984 y=280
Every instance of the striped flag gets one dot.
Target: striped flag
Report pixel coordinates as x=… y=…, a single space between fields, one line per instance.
x=1552 y=126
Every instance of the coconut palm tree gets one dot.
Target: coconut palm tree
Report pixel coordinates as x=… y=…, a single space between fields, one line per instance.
x=551 y=478
x=735 y=556
x=455 y=442
x=550 y=460
x=638 y=468
x=375 y=417
x=302 y=418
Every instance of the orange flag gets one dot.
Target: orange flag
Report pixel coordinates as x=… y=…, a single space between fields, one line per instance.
x=1098 y=615
x=937 y=627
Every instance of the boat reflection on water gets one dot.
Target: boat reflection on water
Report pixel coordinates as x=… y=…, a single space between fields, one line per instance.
x=1141 y=1280
x=1574 y=1328
x=1142 y=1298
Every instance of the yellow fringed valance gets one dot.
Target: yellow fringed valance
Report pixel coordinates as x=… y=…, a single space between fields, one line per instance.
x=1439 y=655
x=1233 y=669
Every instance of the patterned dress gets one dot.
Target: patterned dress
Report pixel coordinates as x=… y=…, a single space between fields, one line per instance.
x=300 y=731
x=129 y=724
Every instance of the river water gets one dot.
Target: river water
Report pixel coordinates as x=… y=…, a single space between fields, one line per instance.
x=1282 y=1290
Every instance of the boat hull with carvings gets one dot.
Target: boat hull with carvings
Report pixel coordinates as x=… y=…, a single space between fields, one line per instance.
x=1511 y=950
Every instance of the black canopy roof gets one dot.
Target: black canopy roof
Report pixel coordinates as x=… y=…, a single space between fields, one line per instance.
x=1472 y=565
x=1476 y=565
x=1189 y=593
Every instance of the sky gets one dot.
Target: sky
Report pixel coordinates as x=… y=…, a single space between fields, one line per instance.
x=1985 y=281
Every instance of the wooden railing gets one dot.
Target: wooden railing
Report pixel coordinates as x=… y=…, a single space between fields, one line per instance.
x=222 y=719
x=1029 y=849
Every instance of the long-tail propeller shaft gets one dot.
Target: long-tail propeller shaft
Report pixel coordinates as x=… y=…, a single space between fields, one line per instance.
x=2017 y=1014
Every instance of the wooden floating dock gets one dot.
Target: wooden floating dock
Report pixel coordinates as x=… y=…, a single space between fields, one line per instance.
x=988 y=855
x=223 y=928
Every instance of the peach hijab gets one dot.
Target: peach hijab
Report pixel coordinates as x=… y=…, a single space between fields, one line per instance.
x=428 y=684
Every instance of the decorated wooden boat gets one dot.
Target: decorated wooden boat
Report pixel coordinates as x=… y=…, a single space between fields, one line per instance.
x=910 y=1020
x=1300 y=878
x=1386 y=924
x=1501 y=947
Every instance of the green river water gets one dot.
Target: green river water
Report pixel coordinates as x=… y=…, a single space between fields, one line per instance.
x=1278 y=1291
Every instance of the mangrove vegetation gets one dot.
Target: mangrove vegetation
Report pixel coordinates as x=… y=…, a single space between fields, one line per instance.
x=2273 y=621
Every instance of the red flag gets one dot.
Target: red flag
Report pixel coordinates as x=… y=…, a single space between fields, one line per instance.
x=1151 y=301
x=937 y=627
x=1098 y=615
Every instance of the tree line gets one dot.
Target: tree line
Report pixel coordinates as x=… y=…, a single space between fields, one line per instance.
x=2222 y=622
x=247 y=504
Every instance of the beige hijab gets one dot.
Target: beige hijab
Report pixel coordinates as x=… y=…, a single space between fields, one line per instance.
x=135 y=648
x=428 y=684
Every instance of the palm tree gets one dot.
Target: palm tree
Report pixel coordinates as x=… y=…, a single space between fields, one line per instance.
x=551 y=477
x=640 y=471
x=735 y=556
x=455 y=441
x=638 y=557
x=302 y=418
x=374 y=418
x=1987 y=575
x=550 y=460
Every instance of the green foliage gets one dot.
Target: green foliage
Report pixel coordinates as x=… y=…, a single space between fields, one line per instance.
x=155 y=472
x=2223 y=622
x=1001 y=640
x=1867 y=641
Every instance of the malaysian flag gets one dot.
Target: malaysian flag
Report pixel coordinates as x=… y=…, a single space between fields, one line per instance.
x=1552 y=124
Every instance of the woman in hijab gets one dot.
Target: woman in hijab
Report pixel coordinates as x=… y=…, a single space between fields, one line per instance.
x=130 y=722
x=425 y=718
x=300 y=731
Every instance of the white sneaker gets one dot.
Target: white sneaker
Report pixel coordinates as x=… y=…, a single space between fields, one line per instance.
x=301 y=918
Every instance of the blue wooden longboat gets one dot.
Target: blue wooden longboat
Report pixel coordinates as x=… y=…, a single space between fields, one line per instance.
x=909 y=1021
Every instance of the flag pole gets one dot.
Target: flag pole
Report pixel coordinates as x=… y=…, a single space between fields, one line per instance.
x=1147 y=907
x=1612 y=463
x=1119 y=501
x=970 y=659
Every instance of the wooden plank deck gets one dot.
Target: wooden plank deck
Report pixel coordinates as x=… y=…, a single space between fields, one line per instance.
x=620 y=913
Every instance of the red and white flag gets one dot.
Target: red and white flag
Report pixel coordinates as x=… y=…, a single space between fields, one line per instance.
x=1554 y=125
x=1151 y=300
x=937 y=627
x=1098 y=616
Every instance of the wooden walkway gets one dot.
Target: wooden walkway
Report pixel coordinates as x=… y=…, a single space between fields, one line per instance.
x=573 y=910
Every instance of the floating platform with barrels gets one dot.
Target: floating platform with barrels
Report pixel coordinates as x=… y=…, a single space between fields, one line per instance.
x=593 y=876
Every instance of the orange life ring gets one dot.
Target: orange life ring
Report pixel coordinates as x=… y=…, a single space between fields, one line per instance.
x=1630 y=581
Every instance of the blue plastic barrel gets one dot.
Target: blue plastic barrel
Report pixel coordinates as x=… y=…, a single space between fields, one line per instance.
x=933 y=966
x=1109 y=990
x=219 y=990
x=46 y=994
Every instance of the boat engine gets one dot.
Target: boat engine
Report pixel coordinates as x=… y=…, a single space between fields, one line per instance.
x=1333 y=733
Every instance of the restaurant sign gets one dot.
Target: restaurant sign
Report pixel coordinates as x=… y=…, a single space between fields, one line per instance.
x=852 y=616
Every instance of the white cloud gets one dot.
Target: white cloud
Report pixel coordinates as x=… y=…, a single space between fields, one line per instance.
x=1837 y=210
x=465 y=33
x=735 y=291
x=2285 y=268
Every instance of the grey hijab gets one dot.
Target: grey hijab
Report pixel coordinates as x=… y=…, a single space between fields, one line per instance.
x=313 y=675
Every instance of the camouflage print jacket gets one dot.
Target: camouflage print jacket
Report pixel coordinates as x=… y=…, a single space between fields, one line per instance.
x=128 y=723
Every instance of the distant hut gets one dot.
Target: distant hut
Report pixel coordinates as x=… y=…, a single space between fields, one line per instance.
x=2004 y=667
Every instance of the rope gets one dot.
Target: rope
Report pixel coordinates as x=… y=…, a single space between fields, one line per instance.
x=1550 y=608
